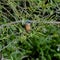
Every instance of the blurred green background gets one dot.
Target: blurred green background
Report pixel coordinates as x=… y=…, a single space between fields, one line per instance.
x=42 y=42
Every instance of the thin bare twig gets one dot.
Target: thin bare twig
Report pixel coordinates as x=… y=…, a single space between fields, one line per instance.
x=32 y=21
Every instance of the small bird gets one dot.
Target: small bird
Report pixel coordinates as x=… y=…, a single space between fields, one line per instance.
x=28 y=26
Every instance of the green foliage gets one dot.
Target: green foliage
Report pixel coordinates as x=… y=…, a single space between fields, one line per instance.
x=42 y=42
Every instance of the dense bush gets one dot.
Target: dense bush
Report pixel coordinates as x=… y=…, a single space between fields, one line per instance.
x=42 y=42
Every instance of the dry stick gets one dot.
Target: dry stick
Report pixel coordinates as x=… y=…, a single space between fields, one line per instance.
x=8 y=24
x=22 y=21
x=52 y=22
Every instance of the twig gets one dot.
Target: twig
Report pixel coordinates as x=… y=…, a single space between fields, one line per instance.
x=32 y=21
